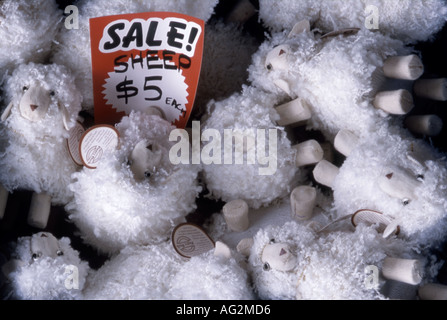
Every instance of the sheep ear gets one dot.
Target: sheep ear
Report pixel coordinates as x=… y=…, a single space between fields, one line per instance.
x=300 y=27
x=244 y=246
x=222 y=250
x=65 y=116
x=7 y=111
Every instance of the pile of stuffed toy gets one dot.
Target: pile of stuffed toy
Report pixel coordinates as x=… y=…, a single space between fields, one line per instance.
x=344 y=197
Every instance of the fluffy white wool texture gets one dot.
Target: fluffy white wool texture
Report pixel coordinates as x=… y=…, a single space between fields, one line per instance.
x=329 y=266
x=250 y=110
x=34 y=155
x=159 y=273
x=113 y=210
x=337 y=77
x=226 y=57
x=424 y=220
x=73 y=46
x=27 y=30
x=408 y=20
x=44 y=278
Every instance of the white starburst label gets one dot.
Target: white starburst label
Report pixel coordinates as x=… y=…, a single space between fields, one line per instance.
x=138 y=88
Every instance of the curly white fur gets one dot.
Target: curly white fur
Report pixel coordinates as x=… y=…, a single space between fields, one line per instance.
x=27 y=30
x=112 y=209
x=336 y=76
x=159 y=273
x=408 y=20
x=34 y=153
x=328 y=266
x=251 y=109
x=59 y=276
x=422 y=216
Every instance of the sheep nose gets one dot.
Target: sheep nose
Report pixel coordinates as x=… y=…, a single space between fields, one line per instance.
x=35 y=103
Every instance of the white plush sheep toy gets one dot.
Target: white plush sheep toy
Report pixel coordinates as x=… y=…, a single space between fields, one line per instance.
x=27 y=30
x=43 y=267
x=294 y=261
x=43 y=106
x=73 y=45
x=257 y=162
x=395 y=174
x=157 y=272
x=407 y=20
x=295 y=83
x=136 y=194
x=348 y=80
x=342 y=77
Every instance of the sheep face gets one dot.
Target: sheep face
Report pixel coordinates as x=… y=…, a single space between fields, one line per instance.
x=44 y=102
x=145 y=159
x=279 y=257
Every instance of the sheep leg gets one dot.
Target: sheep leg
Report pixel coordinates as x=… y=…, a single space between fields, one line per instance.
x=434 y=89
x=345 y=141
x=433 y=291
x=303 y=200
x=295 y=111
x=39 y=210
x=403 y=270
x=236 y=215
x=427 y=125
x=325 y=173
x=308 y=153
x=403 y=67
x=398 y=102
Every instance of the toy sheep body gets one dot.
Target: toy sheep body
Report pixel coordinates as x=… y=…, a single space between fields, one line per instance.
x=43 y=106
x=401 y=177
x=73 y=47
x=157 y=272
x=295 y=262
x=258 y=181
x=339 y=77
x=46 y=268
x=136 y=195
x=27 y=30
x=408 y=20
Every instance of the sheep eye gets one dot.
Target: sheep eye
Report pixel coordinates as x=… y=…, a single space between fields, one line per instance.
x=421 y=177
x=36 y=255
x=272 y=241
x=60 y=253
x=266 y=267
x=25 y=88
x=52 y=93
x=406 y=202
x=147 y=174
x=269 y=67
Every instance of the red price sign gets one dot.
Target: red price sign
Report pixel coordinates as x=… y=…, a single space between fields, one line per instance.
x=146 y=60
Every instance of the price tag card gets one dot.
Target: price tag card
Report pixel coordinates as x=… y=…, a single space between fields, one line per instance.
x=144 y=60
x=190 y=240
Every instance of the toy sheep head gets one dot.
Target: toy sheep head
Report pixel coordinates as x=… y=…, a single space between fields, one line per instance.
x=293 y=261
x=43 y=100
x=45 y=268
